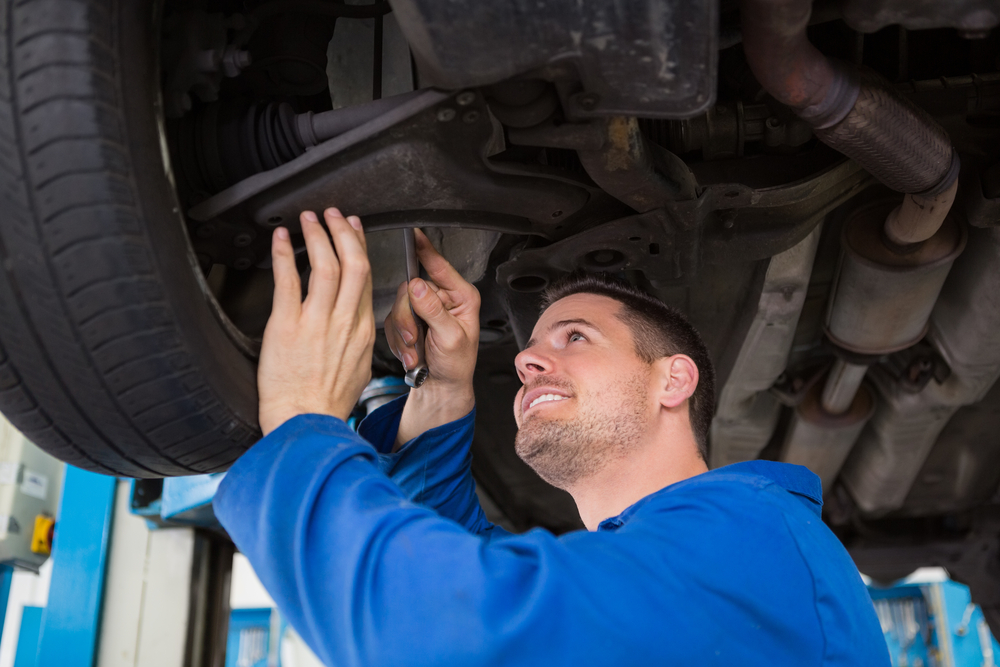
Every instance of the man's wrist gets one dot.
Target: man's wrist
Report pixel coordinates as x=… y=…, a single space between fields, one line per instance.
x=433 y=405
x=450 y=400
x=273 y=417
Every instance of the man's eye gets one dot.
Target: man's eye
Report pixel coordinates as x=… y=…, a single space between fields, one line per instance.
x=575 y=336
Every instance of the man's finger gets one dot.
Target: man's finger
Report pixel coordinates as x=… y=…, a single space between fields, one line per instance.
x=367 y=305
x=324 y=277
x=399 y=349
x=287 y=303
x=355 y=223
x=401 y=317
x=355 y=273
x=438 y=268
x=391 y=336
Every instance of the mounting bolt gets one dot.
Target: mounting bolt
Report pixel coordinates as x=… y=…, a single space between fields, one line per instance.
x=465 y=98
x=242 y=263
x=204 y=231
x=242 y=240
x=235 y=60
x=728 y=217
x=588 y=101
x=446 y=114
x=470 y=116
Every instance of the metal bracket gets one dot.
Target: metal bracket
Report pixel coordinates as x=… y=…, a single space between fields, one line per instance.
x=668 y=244
x=423 y=163
x=645 y=242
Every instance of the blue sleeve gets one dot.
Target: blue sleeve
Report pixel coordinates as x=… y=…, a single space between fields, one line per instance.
x=434 y=469
x=369 y=578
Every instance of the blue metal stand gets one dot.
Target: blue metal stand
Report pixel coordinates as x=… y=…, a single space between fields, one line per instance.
x=27 y=640
x=6 y=577
x=71 y=620
x=934 y=625
x=249 y=641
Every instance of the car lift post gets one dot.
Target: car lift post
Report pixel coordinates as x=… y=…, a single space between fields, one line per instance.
x=71 y=620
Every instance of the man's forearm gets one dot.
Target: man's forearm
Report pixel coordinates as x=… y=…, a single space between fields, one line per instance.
x=431 y=406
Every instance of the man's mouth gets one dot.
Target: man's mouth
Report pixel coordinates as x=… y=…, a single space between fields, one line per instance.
x=547 y=397
x=541 y=395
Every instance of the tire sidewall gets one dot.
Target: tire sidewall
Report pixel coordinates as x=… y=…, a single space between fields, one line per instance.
x=207 y=334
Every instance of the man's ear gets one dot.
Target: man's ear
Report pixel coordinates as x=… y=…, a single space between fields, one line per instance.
x=677 y=377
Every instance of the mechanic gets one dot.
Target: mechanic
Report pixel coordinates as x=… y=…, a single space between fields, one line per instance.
x=375 y=548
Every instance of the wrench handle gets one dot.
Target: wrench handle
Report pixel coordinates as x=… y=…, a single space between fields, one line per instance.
x=418 y=374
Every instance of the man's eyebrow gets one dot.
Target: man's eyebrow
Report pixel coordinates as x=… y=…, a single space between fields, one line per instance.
x=565 y=323
x=577 y=320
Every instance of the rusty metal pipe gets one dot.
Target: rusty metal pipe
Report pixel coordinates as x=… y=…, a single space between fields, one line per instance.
x=841 y=386
x=820 y=90
x=857 y=113
x=822 y=441
x=635 y=171
x=919 y=217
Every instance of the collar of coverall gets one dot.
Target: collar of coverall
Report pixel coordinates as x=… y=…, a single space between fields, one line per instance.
x=797 y=480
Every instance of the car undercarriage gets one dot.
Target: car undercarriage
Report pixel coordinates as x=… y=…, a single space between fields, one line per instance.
x=815 y=185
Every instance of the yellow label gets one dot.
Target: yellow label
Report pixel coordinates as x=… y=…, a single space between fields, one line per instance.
x=41 y=536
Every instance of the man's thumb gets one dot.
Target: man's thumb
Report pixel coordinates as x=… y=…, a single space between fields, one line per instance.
x=427 y=304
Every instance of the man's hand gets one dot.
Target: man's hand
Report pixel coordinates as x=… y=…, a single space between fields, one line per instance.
x=450 y=307
x=317 y=354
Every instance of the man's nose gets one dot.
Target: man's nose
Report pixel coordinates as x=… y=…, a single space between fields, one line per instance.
x=531 y=362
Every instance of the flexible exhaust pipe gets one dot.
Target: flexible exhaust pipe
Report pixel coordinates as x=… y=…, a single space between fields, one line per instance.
x=857 y=113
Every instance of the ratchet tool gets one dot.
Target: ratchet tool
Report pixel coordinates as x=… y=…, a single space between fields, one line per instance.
x=416 y=375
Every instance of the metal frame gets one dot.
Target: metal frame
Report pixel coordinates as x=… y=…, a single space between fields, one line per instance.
x=921 y=619
x=26 y=654
x=71 y=620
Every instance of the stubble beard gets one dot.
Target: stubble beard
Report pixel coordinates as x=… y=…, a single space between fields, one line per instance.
x=607 y=429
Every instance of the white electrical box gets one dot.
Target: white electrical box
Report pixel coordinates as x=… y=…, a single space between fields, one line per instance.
x=30 y=489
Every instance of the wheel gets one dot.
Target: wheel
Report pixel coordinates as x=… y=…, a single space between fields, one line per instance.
x=114 y=355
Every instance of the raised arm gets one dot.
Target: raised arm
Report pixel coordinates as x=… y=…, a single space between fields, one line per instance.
x=316 y=358
x=433 y=469
x=316 y=354
x=425 y=439
x=450 y=306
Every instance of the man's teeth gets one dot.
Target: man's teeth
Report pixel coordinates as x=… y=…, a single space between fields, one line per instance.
x=547 y=397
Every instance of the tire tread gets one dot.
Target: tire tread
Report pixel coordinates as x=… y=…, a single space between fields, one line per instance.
x=91 y=360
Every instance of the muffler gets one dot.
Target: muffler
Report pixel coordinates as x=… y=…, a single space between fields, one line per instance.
x=894 y=260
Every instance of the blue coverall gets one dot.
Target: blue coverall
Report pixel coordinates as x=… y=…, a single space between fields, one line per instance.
x=387 y=559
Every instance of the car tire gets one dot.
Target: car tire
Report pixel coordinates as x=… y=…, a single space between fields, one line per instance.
x=113 y=355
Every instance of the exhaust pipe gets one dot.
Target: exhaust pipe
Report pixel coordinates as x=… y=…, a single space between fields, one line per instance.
x=881 y=303
x=963 y=330
x=859 y=114
x=891 y=264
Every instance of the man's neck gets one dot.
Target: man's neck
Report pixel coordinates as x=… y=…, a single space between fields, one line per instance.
x=654 y=465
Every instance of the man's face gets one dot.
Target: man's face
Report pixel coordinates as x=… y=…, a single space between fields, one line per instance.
x=587 y=397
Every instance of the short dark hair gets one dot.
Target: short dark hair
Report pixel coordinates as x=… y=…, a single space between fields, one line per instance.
x=657 y=331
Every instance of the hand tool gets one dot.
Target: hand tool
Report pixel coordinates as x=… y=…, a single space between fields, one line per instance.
x=418 y=374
